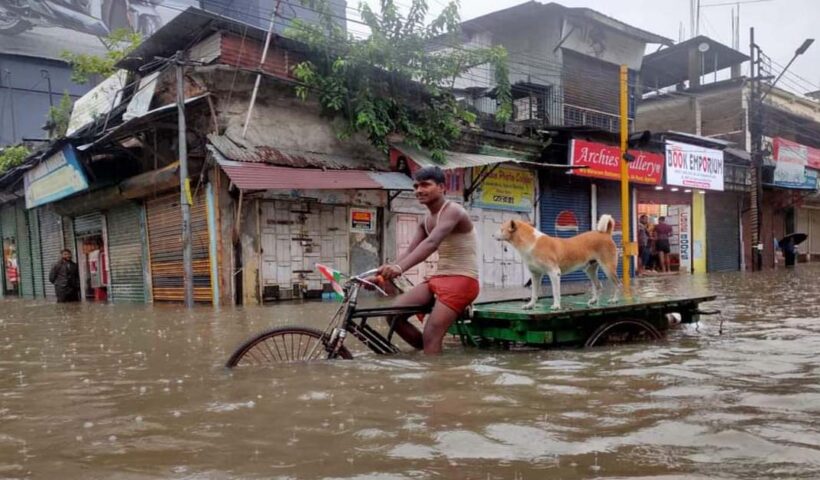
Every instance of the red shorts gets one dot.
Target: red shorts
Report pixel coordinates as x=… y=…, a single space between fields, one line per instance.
x=455 y=291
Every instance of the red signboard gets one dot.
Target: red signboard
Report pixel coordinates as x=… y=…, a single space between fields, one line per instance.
x=602 y=161
x=795 y=152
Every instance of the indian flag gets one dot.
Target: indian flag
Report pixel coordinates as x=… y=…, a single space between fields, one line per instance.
x=334 y=277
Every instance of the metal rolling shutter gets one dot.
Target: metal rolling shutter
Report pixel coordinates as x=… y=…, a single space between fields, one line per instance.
x=89 y=224
x=814 y=232
x=68 y=236
x=165 y=243
x=565 y=212
x=36 y=253
x=124 y=224
x=51 y=242
x=722 y=232
x=609 y=202
x=24 y=253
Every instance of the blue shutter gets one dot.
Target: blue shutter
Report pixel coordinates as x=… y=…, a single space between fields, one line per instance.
x=565 y=212
x=609 y=202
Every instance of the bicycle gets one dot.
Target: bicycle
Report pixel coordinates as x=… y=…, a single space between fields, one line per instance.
x=297 y=343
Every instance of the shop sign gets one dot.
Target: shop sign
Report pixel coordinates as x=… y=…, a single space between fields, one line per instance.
x=98 y=102
x=56 y=177
x=791 y=162
x=685 y=239
x=693 y=166
x=363 y=220
x=506 y=188
x=603 y=161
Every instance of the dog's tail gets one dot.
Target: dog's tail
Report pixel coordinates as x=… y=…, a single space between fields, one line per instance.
x=606 y=224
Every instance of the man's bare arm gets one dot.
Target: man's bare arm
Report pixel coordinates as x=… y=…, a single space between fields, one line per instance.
x=447 y=222
x=417 y=239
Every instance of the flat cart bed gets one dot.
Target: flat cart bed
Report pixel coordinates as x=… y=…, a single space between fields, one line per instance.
x=629 y=319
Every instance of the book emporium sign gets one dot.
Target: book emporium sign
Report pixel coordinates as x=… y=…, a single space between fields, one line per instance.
x=603 y=161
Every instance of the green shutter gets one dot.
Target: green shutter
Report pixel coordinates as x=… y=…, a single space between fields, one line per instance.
x=25 y=269
x=36 y=254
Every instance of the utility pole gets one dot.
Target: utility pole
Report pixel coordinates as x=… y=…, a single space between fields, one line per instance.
x=184 y=186
x=626 y=239
x=756 y=140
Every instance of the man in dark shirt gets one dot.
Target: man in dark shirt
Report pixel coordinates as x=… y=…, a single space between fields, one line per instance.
x=662 y=233
x=66 y=279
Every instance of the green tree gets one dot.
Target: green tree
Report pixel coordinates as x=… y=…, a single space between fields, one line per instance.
x=398 y=79
x=118 y=44
x=11 y=157
x=59 y=116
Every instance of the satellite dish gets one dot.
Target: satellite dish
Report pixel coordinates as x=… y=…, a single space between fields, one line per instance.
x=703 y=47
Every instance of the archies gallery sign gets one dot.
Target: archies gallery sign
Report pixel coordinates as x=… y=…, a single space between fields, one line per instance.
x=603 y=161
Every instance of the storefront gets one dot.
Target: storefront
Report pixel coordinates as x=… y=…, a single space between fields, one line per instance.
x=11 y=266
x=492 y=188
x=694 y=204
x=92 y=256
x=127 y=243
x=602 y=162
x=795 y=178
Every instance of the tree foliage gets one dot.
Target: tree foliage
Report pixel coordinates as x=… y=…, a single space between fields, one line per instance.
x=59 y=116
x=12 y=157
x=398 y=79
x=118 y=44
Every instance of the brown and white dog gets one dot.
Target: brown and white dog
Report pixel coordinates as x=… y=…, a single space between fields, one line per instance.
x=558 y=256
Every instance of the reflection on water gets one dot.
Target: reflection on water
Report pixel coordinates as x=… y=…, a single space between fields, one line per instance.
x=98 y=391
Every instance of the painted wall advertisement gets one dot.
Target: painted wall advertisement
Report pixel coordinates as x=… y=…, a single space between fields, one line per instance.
x=791 y=164
x=684 y=233
x=507 y=188
x=603 y=161
x=56 y=177
x=363 y=220
x=693 y=166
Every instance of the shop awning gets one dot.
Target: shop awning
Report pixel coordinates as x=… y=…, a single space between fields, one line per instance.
x=261 y=176
x=454 y=160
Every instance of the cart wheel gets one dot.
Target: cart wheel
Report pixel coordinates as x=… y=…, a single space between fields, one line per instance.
x=623 y=331
x=284 y=345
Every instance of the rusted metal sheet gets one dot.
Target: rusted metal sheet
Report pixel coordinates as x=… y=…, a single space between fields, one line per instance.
x=246 y=52
x=165 y=245
x=253 y=153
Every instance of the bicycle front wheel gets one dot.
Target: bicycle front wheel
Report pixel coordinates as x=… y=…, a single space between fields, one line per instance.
x=284 y=345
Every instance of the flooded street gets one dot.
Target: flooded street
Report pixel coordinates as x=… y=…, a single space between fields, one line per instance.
x=100 y=391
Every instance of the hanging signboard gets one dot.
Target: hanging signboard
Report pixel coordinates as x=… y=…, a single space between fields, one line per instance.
x=56 y=177
x=98 y=102
x=694 y=166
x=791 y=162
x=507 y=188
x=603 y=161
x=363 y=220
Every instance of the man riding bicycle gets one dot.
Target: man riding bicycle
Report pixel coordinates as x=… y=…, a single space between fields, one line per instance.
x=454 y=286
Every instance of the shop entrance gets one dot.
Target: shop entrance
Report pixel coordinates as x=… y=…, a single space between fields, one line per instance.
x=92 y=257
x=677 y=212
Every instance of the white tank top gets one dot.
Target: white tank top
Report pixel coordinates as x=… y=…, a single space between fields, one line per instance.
x=457 y=253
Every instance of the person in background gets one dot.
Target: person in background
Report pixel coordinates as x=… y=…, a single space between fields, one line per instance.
x=644 y=252
x=65 y=275
x=662 y=233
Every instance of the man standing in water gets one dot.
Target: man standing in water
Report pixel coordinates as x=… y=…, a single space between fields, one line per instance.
x=448 y=230
x=66 y=279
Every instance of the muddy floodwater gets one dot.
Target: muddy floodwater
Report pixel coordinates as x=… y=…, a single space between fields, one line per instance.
x=139 y=392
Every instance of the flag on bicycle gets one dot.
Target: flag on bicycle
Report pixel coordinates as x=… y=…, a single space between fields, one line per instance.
x=334 y=277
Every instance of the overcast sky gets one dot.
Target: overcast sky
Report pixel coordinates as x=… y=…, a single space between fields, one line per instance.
x=780 y=25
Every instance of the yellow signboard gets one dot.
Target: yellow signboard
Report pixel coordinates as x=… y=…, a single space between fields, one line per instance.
x=507 y=188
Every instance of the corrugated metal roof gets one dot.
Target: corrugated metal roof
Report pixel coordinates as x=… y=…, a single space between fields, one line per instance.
x=251 y=153
x=260 y=176
x=452 y=160
x=455 y=160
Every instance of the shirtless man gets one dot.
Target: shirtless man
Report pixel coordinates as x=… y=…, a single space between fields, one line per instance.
x=448 y=230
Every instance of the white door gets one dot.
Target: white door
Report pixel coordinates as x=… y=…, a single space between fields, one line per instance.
x=298 y=235
x=406 y=226
x=501 y=265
